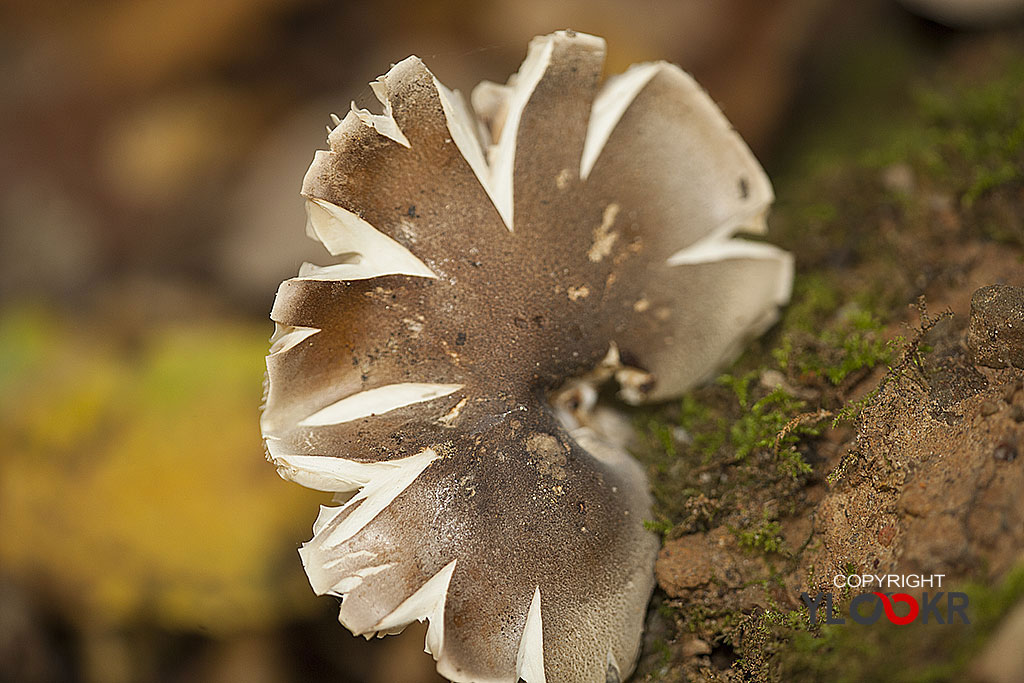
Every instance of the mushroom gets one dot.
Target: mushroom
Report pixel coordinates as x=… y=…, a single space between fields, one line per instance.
x=559 y=232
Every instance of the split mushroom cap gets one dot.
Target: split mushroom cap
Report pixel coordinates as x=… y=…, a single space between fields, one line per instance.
x=560 y=228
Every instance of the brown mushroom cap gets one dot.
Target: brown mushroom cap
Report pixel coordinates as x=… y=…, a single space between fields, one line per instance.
x=486 y=260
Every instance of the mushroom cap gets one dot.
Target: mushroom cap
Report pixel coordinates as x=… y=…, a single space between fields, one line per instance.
x=566 y=228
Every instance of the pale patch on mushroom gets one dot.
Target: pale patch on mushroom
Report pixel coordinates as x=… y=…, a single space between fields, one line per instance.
x=452 y=415
x=604 y=236
x=495 y=263
x=578 y=292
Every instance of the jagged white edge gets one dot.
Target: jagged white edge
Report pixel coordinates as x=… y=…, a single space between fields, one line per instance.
x=494 y=168
x=327 y=514
x=286 y=337
x=379 y=483
x=370 y=253
x=530 y=657
x=384 y=123
x=710 y=251
x=464 y=127
x=339 y=475
x=427 y=603
x=377 y=401
x=617 y=93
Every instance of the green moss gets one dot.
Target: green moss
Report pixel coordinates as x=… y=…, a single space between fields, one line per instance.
x=792 y=464
x=707 y=429
x=861 y=345
x=759 y=636
x=961 y=127
x=755 y=426
x=764 y=538
x=978 y=131
x=660 y=527
x=666 y=472
x=966 y=137
x=760 y=425
x=853 y=341
x=815 y=299
x=723 y=425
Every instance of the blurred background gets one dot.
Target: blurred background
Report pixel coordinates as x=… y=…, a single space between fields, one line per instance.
x=151 y=153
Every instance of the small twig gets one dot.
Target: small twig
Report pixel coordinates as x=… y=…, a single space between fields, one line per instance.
x=802 y=418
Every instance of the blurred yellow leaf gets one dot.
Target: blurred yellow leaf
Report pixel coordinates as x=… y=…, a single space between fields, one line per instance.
x=132 y=480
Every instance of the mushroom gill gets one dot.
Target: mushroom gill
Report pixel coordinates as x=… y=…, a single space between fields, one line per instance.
x=486 y=258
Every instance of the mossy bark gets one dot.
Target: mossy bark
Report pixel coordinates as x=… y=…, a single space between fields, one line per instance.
x=859 y=435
